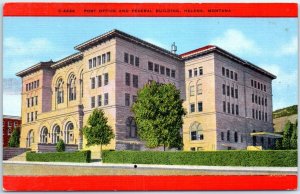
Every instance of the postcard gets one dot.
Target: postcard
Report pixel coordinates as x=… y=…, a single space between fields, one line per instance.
x=150 y=96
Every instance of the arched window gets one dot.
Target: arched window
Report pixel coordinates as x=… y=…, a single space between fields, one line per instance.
x=228 y=135
x=69 y=133
x=44 y=135
x=55 y=134
x=131 y=127
x=235 y=137
x=59 y=91
x=30 y=138
x=196 y=131
x=72 y=87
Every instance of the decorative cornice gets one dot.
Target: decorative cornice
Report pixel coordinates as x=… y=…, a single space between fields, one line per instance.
x=34 y=68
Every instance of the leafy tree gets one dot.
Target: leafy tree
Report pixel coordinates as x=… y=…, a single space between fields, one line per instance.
x=158 y=114
x=98 y=132
x=287 y=134
x=278 y=144
x=294 y=136
x=60 y=146
x=14 y=140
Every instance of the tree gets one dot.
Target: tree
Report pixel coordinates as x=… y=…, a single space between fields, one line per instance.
x=278 y=144
x=158 y=113
x=14 y=140
x=98 y=132
x=60 y=146
x=287 y=134
x=294 y=136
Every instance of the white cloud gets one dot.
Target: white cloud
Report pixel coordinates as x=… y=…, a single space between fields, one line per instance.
x=236 y=42
x=16 y=47
x=289 y=48
x=12 y=104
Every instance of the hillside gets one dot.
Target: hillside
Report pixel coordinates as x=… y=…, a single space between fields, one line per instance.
x=291 y=110
x=281 y=116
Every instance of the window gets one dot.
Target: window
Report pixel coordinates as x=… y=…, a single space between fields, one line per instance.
x=263 y=116
x=32 y=101
x=99 y=77
x=126 y=57
x=94 y=62
x=69 y=133
x=192 y=108
x=255 y=84
x=262 y=101
x=156 y=67
x=36 y=100
x=131 y=128
x=223 y=71
x=37 y=83
x=231 y=74
x=55 y=134
x=224 y=106
x=232 y=109
x=259 y=115
x=232 y=92
x=264 y=87
x=252 y=98
x=93 y=102
x=235 y=136
x=131 y=59
x=60 y=91
x=103 y=58
x=44 y=135
x=137 y=61
x=99 y=100
x=34 y=84
x=251 y=83
x=259 y=100
x=258 y=85
x=200 y=107
x=256 y=114
x=192 y=90
x=196 y=131
x=237 y=110
x=227 y=72
x=135 y=81
x=256 y=99
x=31 y=115
x=168 y=72
x=190 y=73
x=28 y=102
x=108 y=56
x=127 y=99
x=235 y=77
x=72 y=88
x=193 y=149
x=224 y=89
x=90 y=64
x=92 y=83
x=99 y=60
x=173 y=73
x=105 y=79
x=127 y=79
x=26 y=87
x=228 y=136
x=236 y=93
x=266 y=116
x=150 y=66
x=105 y=98
x=222 y=135
x=134 y=99
x=35 y=115
x=28 y=118
x=265 y=101
x=253 y=115
x=200 y=71
x=228 y=90
x=195 y=72
x=162 y=70
x=228 y=107
x=29 y=139
x=15 y=124
x=199 y=89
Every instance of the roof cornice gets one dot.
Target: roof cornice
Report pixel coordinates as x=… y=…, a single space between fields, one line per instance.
x=34 y=68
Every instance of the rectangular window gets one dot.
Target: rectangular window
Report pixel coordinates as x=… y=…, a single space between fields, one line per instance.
x=32 y=101
x=199 y=89
x=200 y=107
x=92 y=82
x=99 y=100
x=266 y=116
x=192 y=90
x=259 y=113
x=28 y=102
x=237 y=109
x=162 y=70
x=261 y=86
x=195 y=72
x=235 y=77
x=232 y=92
x=173 y=73
x=90 y=64
x=156 y=67
x=232 y=109
x=137 y=61
x=103 y=58
x=99 y=77
x=34 y=84
x=35 y=115
x=255 y=84
x=93 y=102
x=190 y=73
x=253 y=115
x=37 y=83
x=224 y=89
x=264 y=87
x=26 y=87
x=256 y=114
x=251 y=83
x=31 y=115
x=200 y=71
x=266 y=102
x=131 y=59
x=168 y=72
x=28 y=118
x=259 y=100
x=134 y=99
x=228 y=107
x=126 y=57
x=150 y=66
x=227 y=72
x=94 y=62
x=231 y=74
x=106 y=99
x=236 y=93
x=262 y=101
x=263 y=116
x=99 y=60
x=228 y=91
x=127 y=79
x=106 y=79
x=127 y=99
x=192 y=108
x=36 y=100
x=108 y=56
x=224 y=106
x=256 y=99
x=252 y=98
x=135 y=81
x=258 y=85
x=223 y=71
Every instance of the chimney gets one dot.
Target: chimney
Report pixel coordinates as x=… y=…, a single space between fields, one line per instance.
x=173 y=48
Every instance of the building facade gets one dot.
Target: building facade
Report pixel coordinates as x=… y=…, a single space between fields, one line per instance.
x=9 y=124
x=227 y=99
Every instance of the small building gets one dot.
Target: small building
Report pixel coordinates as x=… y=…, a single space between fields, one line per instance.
x=9 y=123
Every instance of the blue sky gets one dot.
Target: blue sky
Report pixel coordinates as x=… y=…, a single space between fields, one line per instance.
x=270 y=43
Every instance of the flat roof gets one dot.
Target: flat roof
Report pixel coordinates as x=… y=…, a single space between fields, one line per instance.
x=11 y=117
x=34 y=68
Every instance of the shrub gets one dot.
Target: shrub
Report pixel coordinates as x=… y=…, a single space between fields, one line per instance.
x=60 y=146
x=14 y=140
x=287 y=158
x=78 y=156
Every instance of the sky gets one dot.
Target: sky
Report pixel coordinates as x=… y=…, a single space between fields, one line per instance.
x=270 y=43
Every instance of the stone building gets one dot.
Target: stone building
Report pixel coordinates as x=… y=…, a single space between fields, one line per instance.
x=228 y=100
x=9 y=124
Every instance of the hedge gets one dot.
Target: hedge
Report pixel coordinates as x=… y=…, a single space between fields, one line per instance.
x=279 y=158
x=78 y=156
